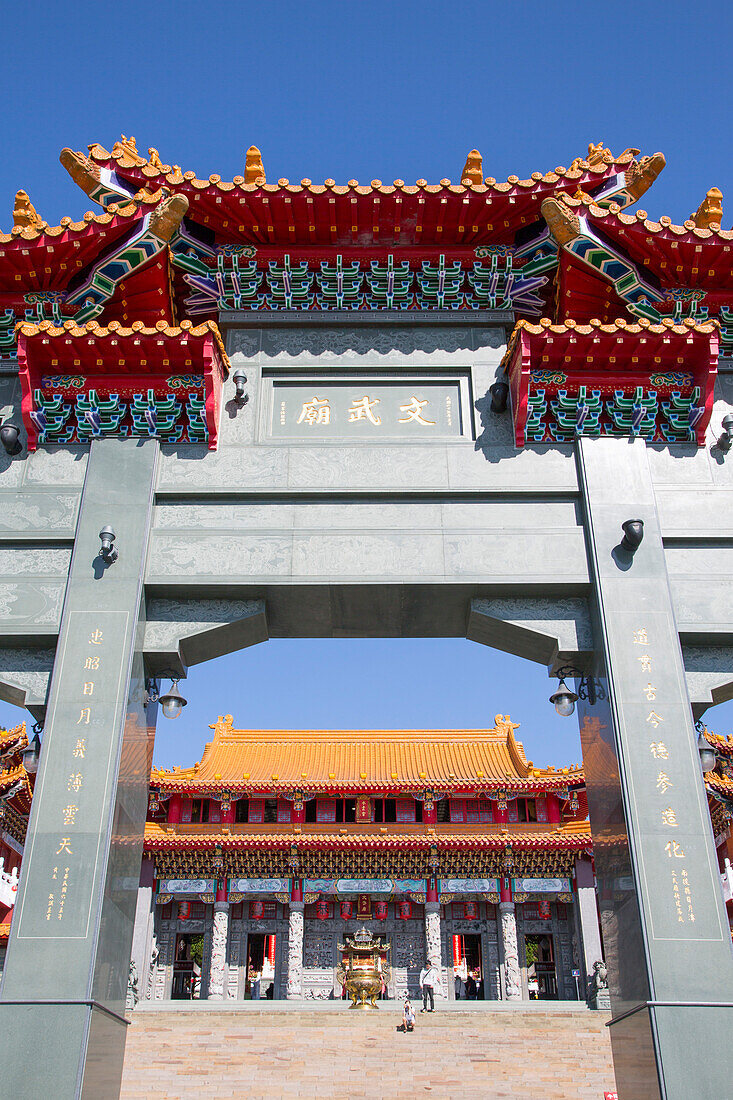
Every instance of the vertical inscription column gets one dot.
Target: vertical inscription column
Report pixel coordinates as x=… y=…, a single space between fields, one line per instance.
x=68 y=958
x=671 y=993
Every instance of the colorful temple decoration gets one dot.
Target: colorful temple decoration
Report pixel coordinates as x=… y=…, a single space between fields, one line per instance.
x=556 y=249
x=16 y=792
x=83 y=382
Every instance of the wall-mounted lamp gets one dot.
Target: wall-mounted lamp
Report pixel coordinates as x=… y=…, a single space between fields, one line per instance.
x=107 y=552
x=31 y=754
x=499 y=394
x=10 y=438
x=564 y=699
x=240 y=381
x=172 y=702
x=633 y=530
x=708 y=755
x=724 y=441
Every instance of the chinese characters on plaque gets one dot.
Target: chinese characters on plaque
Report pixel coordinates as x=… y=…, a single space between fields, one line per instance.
x=663 y=795
x=367 y=409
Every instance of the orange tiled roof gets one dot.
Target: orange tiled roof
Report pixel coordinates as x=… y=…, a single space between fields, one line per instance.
x=572 y=836
x=310 y=760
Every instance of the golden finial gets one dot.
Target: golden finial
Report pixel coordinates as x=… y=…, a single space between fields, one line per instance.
x=709 y=213
x=473 y=169
x=254 y=171
x=154 y=158
x=24 y=212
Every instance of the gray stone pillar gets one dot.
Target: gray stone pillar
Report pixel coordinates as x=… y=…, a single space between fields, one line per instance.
x=143 y=932
x=655 y=860
x=433 y=939
x=218 y=958
x=590 y=934
x=295 y=951
x=510 y=951
x=66 y=973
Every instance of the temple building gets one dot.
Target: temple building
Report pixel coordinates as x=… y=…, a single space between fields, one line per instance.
x=16 y=792
x=448 y=842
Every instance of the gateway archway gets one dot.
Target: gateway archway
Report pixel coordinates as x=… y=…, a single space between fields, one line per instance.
x=365 y=487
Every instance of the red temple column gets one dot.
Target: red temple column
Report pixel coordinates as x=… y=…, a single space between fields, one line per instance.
x=297 y=891
x=430 y=812
x=432 y=894
x=298 y=816
x=174 y=809
x=500 y=815
x=228 y=817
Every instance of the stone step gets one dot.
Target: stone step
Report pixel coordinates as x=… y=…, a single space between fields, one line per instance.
x=172 y=1055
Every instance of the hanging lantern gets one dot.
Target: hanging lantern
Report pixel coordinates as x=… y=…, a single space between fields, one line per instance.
x=544 y=910
x=257 y=910
x=347 y=910
x=184 y=910
x=323 y=909
x=470 y=910
x=153 y=802
x=381 y=909
x=404 y=910
x=574 y=804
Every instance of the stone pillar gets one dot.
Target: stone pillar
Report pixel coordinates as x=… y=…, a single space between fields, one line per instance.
x=655 y=861
x=217 y=963
x=142 y=936
x=295 y=951
x=67 y=969
x=590 y=934
x=432 y=940
x=510 y=951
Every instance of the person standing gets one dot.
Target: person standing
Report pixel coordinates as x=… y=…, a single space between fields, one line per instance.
x=429 y=977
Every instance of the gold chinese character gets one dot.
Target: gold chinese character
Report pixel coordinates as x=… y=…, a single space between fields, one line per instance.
x=663 y=782
x=646 y=663
x=95 y=638
x=650 y=692
x=317 y=411
x=81 y=746
x=654 y=718
x=64 y=846
x=75 y=781
x=669 y=817
x=672 y=848
x=92 y=663
x=414 y=412
x=361 y=409
x=84 y=716
x=659 y=750
x=69 y=813
x=88 y=688
x=640 y=637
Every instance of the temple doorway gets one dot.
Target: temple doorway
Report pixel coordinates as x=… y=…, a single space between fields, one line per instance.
x=468 y=967
x=541 y=974
x=260 y=982
x=187 y=967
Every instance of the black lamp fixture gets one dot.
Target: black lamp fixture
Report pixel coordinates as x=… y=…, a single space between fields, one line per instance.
x=499 y=394
x=10 y=438
x=633 y=530
x=240 y=381
x=171 y=701
x=31 y=754
x=564 y=699
x=107 y=552
x=708 y=755
x=725 y=439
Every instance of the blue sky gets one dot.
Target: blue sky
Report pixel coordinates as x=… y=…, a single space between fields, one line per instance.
x=378 y=90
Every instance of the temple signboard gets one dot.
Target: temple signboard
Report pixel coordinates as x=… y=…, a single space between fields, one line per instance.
x=317 y=408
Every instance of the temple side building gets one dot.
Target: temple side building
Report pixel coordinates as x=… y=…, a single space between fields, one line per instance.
x=16 y=793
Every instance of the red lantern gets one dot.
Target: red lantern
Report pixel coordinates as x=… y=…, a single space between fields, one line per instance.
x=184 y=910
x=347 y=910
x=257 y=910
x=380 y=910
x=404 y=910
x=544 y=910
x=470 y=910
x=323 y=909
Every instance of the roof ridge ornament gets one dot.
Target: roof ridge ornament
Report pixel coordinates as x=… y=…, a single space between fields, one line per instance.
x=473 y=172
x=254 y=171
x=709 y=214
x=25 y=215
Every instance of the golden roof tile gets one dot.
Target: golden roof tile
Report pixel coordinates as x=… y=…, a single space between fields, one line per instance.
x=310 y=760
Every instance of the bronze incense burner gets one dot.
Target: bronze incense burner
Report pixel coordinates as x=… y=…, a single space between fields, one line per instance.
x=365 y=968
